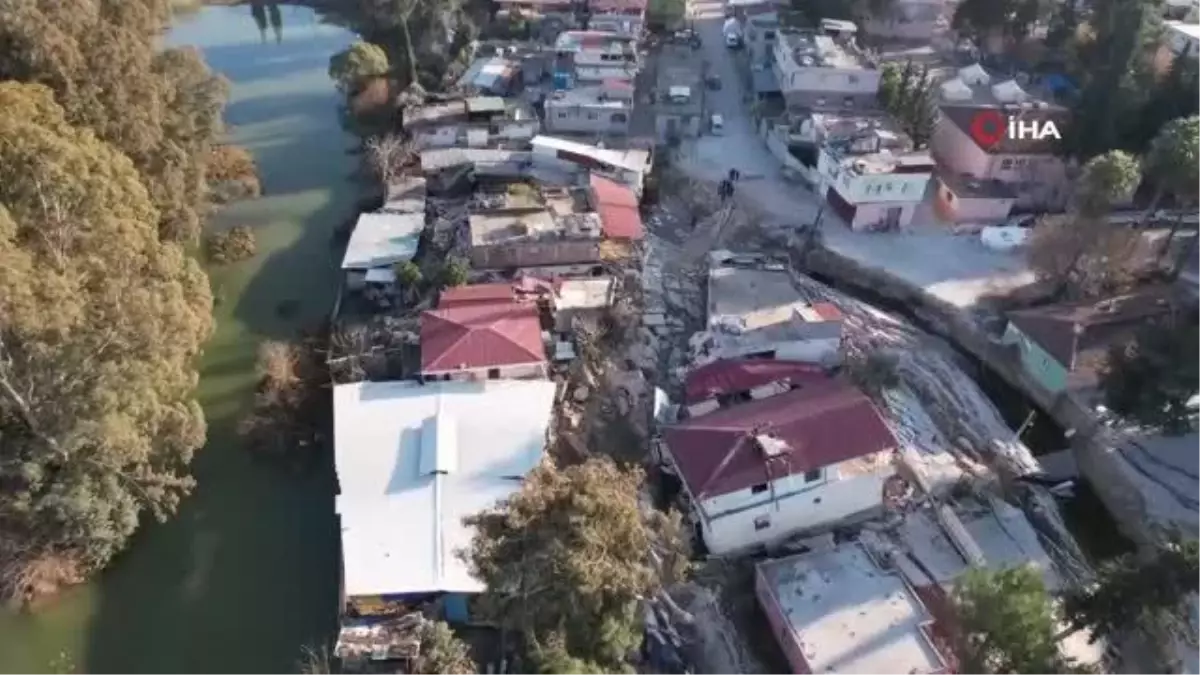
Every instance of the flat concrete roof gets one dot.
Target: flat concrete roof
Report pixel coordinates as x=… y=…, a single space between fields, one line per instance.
x=848 y=615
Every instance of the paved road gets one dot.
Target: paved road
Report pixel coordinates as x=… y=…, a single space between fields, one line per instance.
x=739 y=147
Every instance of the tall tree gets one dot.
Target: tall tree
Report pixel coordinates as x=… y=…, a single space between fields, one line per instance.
x=567 y=560
x=1173 y=165
x=353 y=67
x=909 y=95
x=1135 y=590
x=1112 y=176
x=1151 y=380
x=1118 y=67
x=104 y=61
x=100 y=326
x=983 y=20
x=442 y=652
x=1006 y=623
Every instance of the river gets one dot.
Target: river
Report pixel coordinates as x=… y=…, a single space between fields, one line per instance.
x=246 y=573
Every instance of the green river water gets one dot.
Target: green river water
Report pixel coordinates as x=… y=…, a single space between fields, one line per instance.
x=246 y=573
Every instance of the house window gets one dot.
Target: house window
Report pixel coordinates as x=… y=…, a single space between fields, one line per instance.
x=619 y=118
x=593 y=116
x=768 y=35
x=562 y=115
x=853 y=79
x=762 y=523
x=848 y=102
x=757 y=489
x=812 y=476
x=493 y=373
x=1005 y=164
x=820 y=101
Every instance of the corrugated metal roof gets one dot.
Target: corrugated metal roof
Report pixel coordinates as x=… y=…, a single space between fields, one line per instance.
x=476 y=293
x=727 y=376
x=483 y=335
x=381 y=239
x=618 y=209
x=401 y=526
x=822 y=424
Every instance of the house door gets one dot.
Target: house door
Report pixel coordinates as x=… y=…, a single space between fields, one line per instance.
x=891 y=220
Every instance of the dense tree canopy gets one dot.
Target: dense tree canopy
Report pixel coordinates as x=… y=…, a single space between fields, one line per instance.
x=1009 y=19
x=1151 y=380
x=1173 y=160
x=1006 y=623
x=1137 y=591
x=1106 y=179
x=909 y=94
x=356 y=65
x=100 y=323
x=102 y=58
x=567 y=560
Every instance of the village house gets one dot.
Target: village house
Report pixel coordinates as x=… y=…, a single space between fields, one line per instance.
x=379 y=242
x=821 y=72
x=1064 y=347
x=831 y=607
x=594 y=56
x=479 y=121
x=597 y=110
x=768 y=468
x=841 y=610
x=482 y=336
x=492 y=75
x=678 y=95
x=760 y=22
x=412 y=460
x=1182 y=38
x=755 y=311
x=1032 y=167
x=623 y=17
x=966 y=199
x=871 y=177
x=628 y=167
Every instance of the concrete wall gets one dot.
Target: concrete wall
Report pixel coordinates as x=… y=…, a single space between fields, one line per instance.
x=879 y=216
x=527 y=371
x=535 y=254
x=781 y=627
x=814 y=350
x=971 y=209
x=1036 y=361
x=562 y=118
x=1040 y=180
x=870 y=188
x=745 y=519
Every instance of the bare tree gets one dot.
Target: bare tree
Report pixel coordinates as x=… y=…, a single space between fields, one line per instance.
x=387 y=156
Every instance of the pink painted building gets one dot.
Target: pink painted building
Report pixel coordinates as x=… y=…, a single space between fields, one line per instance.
x=1029 y=168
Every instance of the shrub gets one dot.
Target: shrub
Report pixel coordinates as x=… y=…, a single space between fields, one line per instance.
x=232 y=245
x=232 y=174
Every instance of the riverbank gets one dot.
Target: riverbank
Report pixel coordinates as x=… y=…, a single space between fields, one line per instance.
x=246 y=573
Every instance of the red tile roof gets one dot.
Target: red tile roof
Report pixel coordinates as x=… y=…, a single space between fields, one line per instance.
x=475 y=294
x=733 y=376
x=823 y=424
x=480 y=335
x=828 y=311
x=618 y=209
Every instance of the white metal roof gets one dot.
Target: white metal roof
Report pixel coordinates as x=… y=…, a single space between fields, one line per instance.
x=413 y=459
x=849 y=616
x=381 y=239
x=632 y=160
x=590 y=293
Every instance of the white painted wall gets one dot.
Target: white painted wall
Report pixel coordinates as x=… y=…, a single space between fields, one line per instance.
x=816 y=350
x=870 y=188
x=799 y=506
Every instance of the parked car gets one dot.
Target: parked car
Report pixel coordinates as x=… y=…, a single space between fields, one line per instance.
x=713 y=82
x=717 y=125
x=733 y=41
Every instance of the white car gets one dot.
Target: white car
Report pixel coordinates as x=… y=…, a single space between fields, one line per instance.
x=717 y=125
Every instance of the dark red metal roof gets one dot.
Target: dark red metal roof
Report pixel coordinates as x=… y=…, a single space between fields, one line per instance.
x=618 y=209
x=823 y=424
x=480 y=335
x=733 y=376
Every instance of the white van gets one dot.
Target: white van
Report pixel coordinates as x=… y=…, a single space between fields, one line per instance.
x=717 y=125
